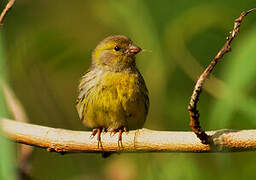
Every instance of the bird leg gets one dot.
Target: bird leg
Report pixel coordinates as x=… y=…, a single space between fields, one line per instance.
x=98 y=131
x=120 y=132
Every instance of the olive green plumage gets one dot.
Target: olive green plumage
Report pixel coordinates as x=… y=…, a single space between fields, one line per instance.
x=112 y=93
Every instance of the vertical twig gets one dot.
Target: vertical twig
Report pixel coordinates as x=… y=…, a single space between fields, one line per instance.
x=6 y=9
x=192 y=107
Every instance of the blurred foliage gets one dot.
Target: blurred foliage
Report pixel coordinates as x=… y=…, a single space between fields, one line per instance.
x=6 y=151
x=48 y=46
x=239 y=74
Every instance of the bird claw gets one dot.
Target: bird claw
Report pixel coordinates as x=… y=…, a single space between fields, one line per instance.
x=94 y=132
x=98 y=131
x=120 y=137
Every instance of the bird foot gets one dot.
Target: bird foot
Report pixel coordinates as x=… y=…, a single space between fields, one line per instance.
x=98 y=131
x=120 y=132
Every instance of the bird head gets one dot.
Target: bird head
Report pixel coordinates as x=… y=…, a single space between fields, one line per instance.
x=115 y=53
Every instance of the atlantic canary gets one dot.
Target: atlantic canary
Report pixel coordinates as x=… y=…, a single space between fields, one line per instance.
x=112 y=94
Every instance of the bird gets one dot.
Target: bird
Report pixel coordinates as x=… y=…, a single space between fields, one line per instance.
x=112 y=94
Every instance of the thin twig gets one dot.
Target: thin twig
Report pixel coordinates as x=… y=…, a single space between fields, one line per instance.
x=141 y=140
x=6 y=9
x=192 y=107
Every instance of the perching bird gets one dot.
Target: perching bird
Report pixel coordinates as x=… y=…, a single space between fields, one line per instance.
x=112 y=93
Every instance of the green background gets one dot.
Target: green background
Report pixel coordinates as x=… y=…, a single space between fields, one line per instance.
x=47 y=47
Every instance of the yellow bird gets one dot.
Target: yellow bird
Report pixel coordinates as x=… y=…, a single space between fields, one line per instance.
x=112 y=93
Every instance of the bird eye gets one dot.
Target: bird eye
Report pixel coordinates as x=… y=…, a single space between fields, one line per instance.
x=117 y=48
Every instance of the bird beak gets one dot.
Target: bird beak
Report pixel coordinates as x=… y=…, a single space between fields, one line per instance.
x=133 y=50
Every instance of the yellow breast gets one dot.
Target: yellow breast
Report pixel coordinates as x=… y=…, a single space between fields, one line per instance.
x=116 y=100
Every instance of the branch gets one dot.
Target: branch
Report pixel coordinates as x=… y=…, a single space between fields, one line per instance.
x=6 y=9
x=142 y=140
x=192 y=107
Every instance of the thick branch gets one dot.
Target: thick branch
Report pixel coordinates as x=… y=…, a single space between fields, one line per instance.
x=192 y=107
x=142 y=140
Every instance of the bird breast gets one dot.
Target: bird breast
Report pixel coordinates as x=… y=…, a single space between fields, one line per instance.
x=113 y=99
